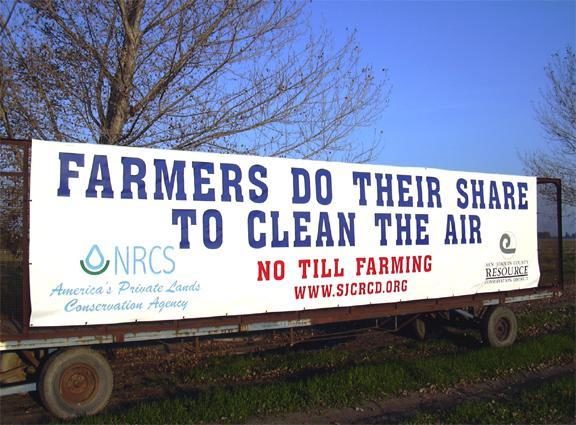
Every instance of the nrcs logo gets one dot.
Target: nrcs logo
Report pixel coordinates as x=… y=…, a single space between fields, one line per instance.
x=94 y=263
x=130 y=260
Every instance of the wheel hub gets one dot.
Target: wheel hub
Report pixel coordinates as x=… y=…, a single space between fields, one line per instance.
x=502 y=329
x=78 y=383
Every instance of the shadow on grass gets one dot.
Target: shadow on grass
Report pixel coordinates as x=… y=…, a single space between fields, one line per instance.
x=463 y=338
x=462 y=335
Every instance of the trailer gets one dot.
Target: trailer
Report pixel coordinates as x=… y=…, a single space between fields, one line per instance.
x=104 y=245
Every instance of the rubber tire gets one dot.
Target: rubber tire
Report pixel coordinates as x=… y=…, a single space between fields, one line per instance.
x=69 y=369
x=419 y=329
x=499 y=327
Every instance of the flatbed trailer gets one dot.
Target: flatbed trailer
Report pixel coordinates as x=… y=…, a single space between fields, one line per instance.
x=74 y=378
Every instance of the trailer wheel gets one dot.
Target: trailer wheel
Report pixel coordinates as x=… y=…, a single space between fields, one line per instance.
x=499 y=327
x=75 y=382
x=419 y=329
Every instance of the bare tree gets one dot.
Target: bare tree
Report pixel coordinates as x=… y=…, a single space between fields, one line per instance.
x=11 y=198
x=557 y=115
x=245 y=76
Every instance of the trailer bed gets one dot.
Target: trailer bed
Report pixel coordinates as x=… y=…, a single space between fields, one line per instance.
x=13 y=337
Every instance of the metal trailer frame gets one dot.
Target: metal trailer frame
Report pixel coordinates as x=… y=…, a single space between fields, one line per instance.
x=19 y=336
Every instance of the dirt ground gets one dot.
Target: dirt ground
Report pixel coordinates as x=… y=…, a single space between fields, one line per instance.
x=396 y=409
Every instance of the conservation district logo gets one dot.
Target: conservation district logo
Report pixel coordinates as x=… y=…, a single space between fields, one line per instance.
x=508 y=243
x=510 y=269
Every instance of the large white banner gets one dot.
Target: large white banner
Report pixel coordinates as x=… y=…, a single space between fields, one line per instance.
x=126 y=234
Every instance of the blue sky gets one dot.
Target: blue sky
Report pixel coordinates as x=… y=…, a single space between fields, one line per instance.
x=465 y=75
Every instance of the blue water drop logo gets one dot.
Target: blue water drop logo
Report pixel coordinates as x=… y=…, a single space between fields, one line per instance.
x=94 y=263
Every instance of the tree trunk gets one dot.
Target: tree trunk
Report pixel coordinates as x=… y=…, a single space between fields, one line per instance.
x=118 y=108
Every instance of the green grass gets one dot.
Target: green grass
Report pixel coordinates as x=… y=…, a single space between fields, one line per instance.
x=551 y=402
x=546 y=320
x=333 y=381
x=229 y=368
x=292 y=363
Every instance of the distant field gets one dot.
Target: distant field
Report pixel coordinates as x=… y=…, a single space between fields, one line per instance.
x=570 y=261
x=6 y=256
x=548 y=254
x=10 y=281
